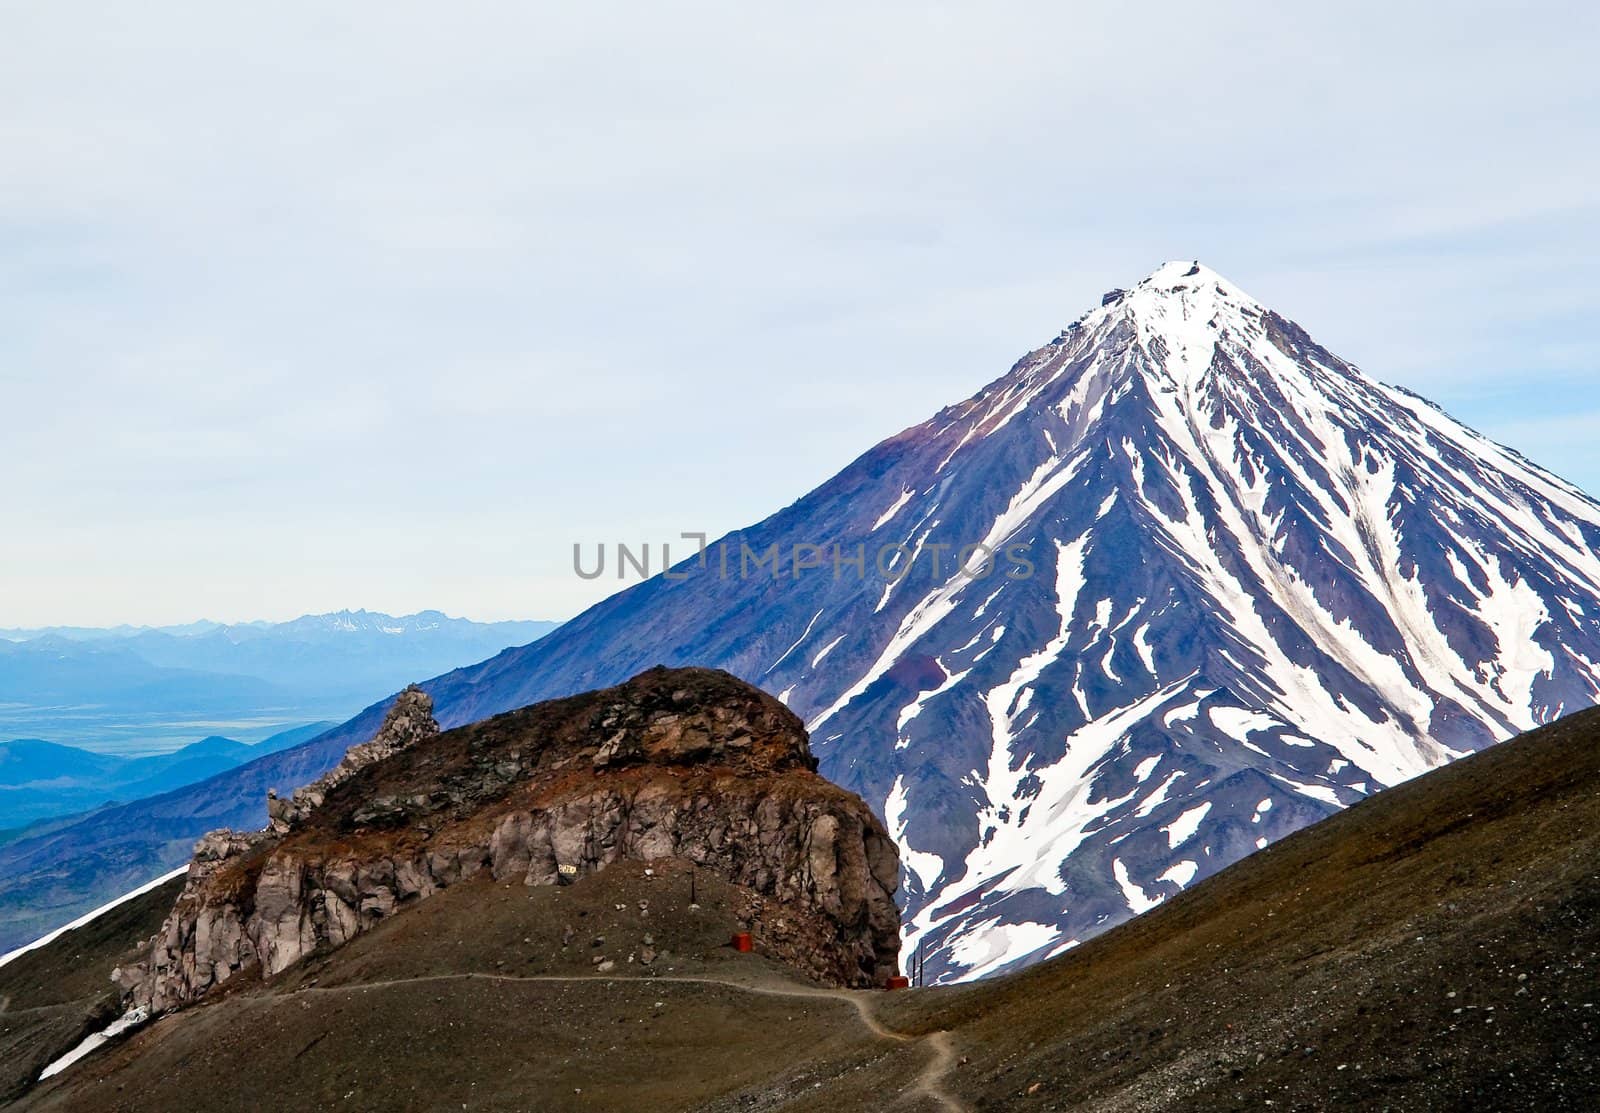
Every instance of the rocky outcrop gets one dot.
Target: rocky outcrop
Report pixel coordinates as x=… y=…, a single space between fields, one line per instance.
x=409 y=721
x=687 y=763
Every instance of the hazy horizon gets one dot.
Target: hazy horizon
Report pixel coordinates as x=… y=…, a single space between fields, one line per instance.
x=270 y=621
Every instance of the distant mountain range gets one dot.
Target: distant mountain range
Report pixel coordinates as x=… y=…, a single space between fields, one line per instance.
x=43 y=780
x=110 y=633
x=306 y=626
x=143 y=690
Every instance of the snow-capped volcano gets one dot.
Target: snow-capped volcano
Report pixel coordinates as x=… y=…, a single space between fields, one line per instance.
x=1235 y=585
x=1263 y=586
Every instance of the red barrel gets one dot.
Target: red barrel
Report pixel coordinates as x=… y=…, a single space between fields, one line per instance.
x=898 y=981
x=741 y=942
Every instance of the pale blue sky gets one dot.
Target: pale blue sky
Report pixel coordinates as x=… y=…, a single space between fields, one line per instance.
x=386 y=305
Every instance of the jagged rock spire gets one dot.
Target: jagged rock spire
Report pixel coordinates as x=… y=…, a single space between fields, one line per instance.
x=409 y=721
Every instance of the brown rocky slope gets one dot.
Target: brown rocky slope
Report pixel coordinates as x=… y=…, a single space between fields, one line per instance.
x=685 y=764
x=55 y=995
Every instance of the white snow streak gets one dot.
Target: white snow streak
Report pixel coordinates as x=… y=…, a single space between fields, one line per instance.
x=1135 y=896
x=883 y=519
x=1182 y=829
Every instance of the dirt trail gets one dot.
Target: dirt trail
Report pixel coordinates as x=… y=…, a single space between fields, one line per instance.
x=929 y=1082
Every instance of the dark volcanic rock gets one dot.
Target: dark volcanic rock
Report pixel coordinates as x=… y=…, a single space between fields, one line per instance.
x=409 y=721
x=690 y=764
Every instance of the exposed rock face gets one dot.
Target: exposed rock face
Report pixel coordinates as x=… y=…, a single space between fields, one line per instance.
x=684 y=763
x=410 y=720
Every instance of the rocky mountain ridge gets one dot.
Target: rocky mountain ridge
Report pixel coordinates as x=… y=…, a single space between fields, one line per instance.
x=675 y=764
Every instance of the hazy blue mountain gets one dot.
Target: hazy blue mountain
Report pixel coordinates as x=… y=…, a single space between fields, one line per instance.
x=288 y=739
x=44 y=780
x=26 y=761
x=140 y=690
x=106 y=633
x=351 y=653
x=53 y=671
